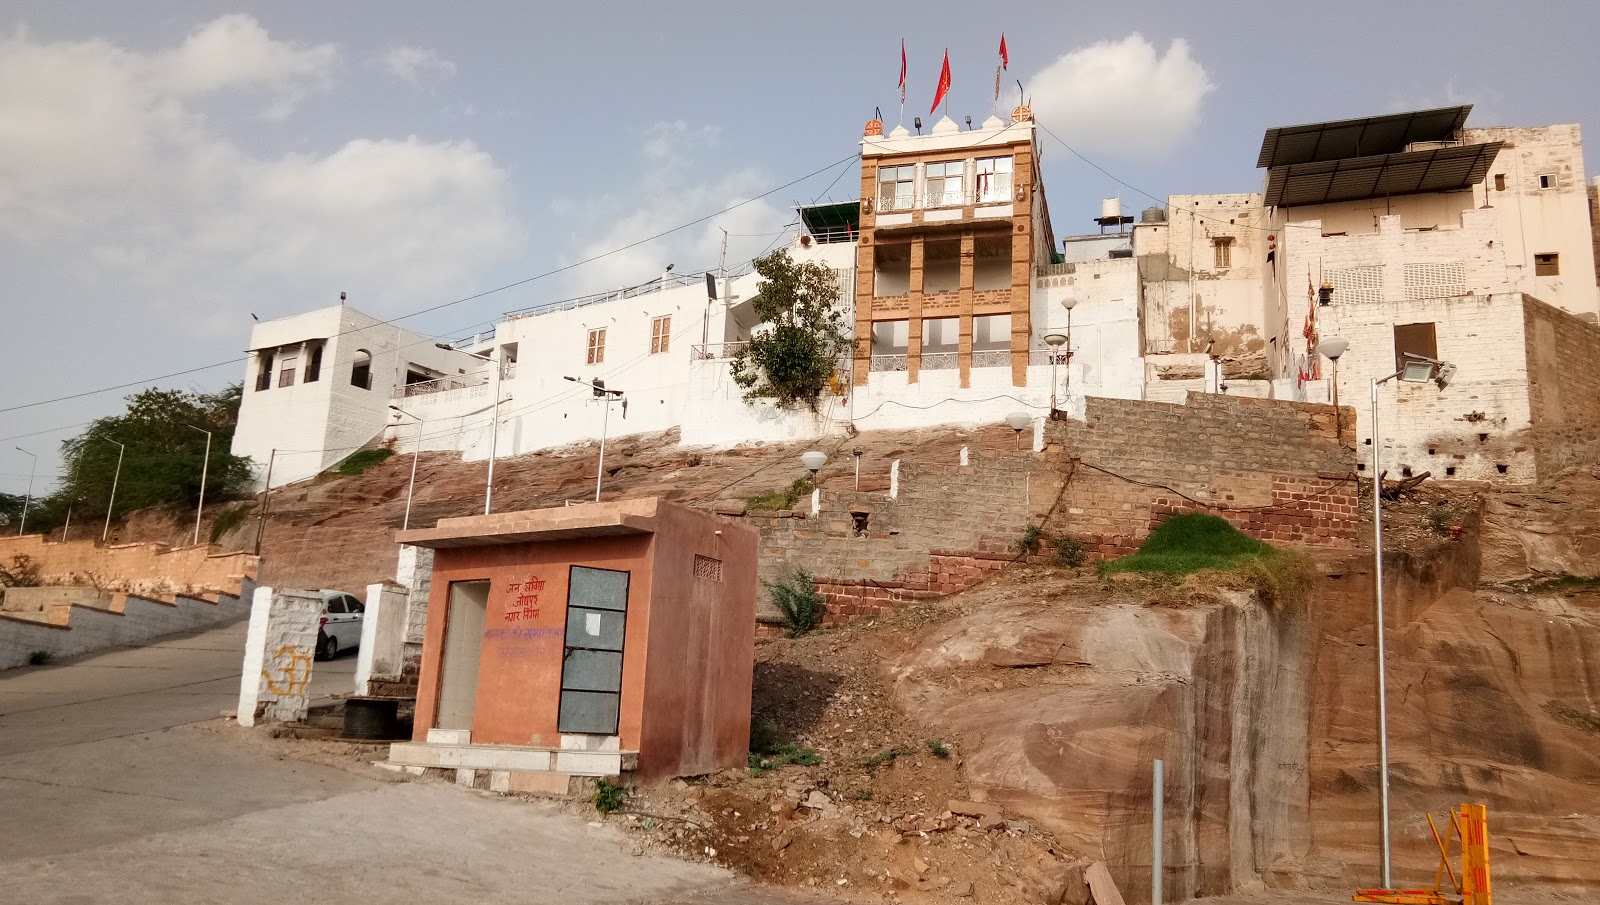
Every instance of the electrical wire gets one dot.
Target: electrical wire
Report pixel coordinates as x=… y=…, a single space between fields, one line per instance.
x=477 y=295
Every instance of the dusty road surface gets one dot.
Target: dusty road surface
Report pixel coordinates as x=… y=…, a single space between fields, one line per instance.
x=119 y=784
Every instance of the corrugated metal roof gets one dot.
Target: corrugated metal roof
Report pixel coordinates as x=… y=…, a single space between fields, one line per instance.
x=1352 y=179
x=1367 y=137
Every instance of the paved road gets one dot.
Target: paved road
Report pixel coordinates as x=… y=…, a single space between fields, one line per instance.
x=119 y=783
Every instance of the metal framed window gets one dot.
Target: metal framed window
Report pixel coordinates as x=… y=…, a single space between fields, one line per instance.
x=1417 y=339
x=993 y=180
x=264 y=371
x=942 y=184
x=1222 y=250
x=1547 y=265
x=313 y=365
x=597 y=346
x=896 y=187
x=591 y=662
x=660 y=334
x=287 y=371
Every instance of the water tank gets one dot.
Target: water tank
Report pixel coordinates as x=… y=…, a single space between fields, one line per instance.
x=1153 y=215
x=1111 y=209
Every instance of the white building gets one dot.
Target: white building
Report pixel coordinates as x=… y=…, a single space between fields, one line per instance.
x=1432 y=237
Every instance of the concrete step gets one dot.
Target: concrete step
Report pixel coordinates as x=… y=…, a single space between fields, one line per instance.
x=513 y=758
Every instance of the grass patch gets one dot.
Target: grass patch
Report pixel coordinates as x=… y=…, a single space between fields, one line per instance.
x=1029 y=541
x=1572 y=716
x=40 y=657
x=939 y=749
x=1195 y=542
x=227 y=521
x=607 y=796
x=882 y=757
x=796 y=597
x=1070 y=552
x=364 y=459
x=783 y=755
x=781 y=500
x=860 y=795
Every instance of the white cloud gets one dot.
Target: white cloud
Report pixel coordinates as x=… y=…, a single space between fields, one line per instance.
x=1123 y=96
x=416 y=64
x=670 y=191
x=109 y=165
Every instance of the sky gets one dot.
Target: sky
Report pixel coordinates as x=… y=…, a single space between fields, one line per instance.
x=168 y=169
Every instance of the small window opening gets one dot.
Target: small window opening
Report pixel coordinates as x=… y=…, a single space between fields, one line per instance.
x=1499 y=182
x=1222 y=248
x=1502 y=467
x=1367 y=441
x=361 y=370
x=264 y=371
x=314 y=365
x=860 y=522
x=1361 y=466
x=597 y=346
x=1432 y=451
x=1548 y=181
x=1449 y=470
x=1405 y=471
x=1483 y=438
x=1547 y=265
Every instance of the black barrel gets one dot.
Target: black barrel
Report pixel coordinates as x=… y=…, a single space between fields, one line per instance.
x=372 y=718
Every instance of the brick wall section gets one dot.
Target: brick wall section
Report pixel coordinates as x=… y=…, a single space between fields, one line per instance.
x=153 y=570
x=1563 y=387
x=1273 y=469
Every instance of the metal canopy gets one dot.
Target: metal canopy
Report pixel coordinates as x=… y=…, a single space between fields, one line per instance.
x=829 y=220
x=1368 y=137
x=1437 y=170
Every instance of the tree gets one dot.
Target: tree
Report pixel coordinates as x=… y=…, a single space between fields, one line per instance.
x=790 y=363
x=11 y=510
x=162 y=465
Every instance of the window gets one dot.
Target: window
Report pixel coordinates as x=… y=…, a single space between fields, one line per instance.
x=336 y=605
x=263 y=371
x=597 y=346
x=1548 y=181
x=1499 y=182
x=944 y=184
x=361 y=370
x=354 y=605
x=660 y=334
x=1222 y=249
x=993 y=180
x=707 y=568
x=895 y=187
x=286 y=371
x=1415 y=339
x=1547 y=265
x=314 y=365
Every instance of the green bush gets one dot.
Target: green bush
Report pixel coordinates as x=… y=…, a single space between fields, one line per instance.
x=1070 y=552
x=227 y=520
x=1029 y=541
x=939 y=749
x=780 y=500
x=796 y=597
x=1195 y=542
x=363 y=459
x=783 y=755
x=607 y=796
x=40 y=657
x=882 y=757
x=1439 y=518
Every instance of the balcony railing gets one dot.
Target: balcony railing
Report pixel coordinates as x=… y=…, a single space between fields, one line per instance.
x=440 y=385
x=889 y=362
x=1046 y=356
x=999 y=194
x=939 y=361
x=716 y=351
x=992 y=358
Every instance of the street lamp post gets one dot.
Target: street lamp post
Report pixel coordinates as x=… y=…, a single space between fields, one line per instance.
x=1069 y=303
x=600 y=390
x=1017 y=421
x=1416 y=370
x=27 y=500
x=112 y=502
x=412 y=484
x=1055 y=341
x=205 y=466
x=1333 y=347
x=494 y=425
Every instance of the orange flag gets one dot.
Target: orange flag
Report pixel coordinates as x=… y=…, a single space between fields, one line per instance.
x=944 y=84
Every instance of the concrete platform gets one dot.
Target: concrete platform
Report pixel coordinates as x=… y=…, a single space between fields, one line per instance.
x=512 y=758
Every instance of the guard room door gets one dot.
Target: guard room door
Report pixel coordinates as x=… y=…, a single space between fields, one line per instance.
x=591 y=666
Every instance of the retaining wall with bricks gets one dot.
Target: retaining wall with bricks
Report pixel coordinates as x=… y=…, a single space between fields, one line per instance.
x=1280 y=471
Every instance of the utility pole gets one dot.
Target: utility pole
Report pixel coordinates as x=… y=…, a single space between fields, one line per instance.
x=266 y=497
x=112 y=502
x=27 y=501
x=205 y=468
x=600 y=390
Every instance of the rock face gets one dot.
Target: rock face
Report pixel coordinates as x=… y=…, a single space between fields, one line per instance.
x=1093 y=693
x=1266 y=721
x=1532 y=531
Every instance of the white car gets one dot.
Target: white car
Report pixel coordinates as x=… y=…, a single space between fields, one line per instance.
x=340 y=630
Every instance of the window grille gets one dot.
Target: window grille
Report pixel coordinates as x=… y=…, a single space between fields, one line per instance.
x=1357 y=285
x=1435 y=281
x=707 y=568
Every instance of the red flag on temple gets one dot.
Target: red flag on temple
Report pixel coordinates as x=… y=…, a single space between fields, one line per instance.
x=944 y=84
x=902 y=73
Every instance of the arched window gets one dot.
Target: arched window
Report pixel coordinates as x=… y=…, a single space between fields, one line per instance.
x=361 y=370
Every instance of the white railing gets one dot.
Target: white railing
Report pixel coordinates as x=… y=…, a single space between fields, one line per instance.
x=716 y=351
x=1046 y=357
x=439 y=385
x=992 y=358
x=1000 y=194
x=508 y=370
x=939 y=361
x=889 y=362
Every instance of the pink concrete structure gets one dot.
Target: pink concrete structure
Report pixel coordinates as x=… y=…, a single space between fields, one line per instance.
x=589 y=640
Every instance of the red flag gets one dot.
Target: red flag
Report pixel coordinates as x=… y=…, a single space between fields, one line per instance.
x=902 y=73
x=944 y=83
x=1005 y=58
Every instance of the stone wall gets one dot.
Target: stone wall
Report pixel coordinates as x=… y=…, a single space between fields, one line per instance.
x=1273 y=469
x=69 y=629
x=278 y=651
x=1563 y=387
x=151 y=570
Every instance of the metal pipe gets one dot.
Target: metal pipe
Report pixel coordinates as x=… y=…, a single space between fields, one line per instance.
x=113 y=501
x=494 y=432
x=1383 y=704
x=1158 y=796
x=600 y=469
x=266 y=497
x=205 y=467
